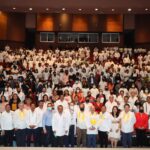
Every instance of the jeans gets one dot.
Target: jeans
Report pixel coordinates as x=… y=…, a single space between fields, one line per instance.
x=49 y=137
x=126 y=139
x=91 y=140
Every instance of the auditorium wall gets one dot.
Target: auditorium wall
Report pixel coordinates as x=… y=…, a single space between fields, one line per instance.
x=142 y=30
x=14 y=25
x=78 y=23
x=12 y=29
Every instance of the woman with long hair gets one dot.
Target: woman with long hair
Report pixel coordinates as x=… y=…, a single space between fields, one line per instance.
x=114 y=134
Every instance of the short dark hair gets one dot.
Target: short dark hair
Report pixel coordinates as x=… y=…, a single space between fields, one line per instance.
x=126 y=105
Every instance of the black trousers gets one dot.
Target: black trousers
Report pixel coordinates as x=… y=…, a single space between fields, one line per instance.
x=69 y=139
x=49 y=137
x=141 y=139
x=59 y=141
x=8 y=138
x=103 y=138
x=71 y=136
x=40 y=136
x=32 y=133
x=21 y=137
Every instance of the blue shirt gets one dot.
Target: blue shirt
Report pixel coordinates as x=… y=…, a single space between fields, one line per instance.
x=47 y=118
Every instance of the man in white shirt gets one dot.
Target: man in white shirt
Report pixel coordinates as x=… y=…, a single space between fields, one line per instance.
x=127 y=125
x=94 y=91
x=40 y=112
x=60 y=126
x=104 y=126
x=81 y=125
x=92 y=127
x=7 y=126
x=110 y=104
x=20 y=125
x=32 y=124
x=62 y=102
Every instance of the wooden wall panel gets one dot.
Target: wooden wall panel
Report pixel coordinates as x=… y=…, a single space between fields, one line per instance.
x=113 y=23
x=63 y=22
x=80 y=23
x=16 y=27
x=45 y=22
x=3 y=26
x=142 y=28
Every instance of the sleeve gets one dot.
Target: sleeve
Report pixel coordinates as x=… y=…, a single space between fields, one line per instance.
x=109 y=121
x=54 y=122
x=1 y=121
x=43 y=120
x=133 y=118
x=87 y=122
x=67 y=121
x=15 y=119
x=146 y=122
x=27 y=120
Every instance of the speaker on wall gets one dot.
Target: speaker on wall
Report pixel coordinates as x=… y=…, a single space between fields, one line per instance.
x=30 y=38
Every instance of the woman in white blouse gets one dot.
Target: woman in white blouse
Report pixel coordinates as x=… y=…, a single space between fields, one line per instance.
x=114 y=134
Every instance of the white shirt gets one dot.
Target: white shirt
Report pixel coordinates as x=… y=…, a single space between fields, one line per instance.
x=109 y=106
x=60 y=124
x=104 y=122
x=20 y=119
x=63 y=103
x=127 y=121
x=87 y=107
x=7 y=120
x=40 y=113
x=146 y=106
x=32 y=118
x=0 y=121
x=92 y=120
x=81 y=119
x=94 y=92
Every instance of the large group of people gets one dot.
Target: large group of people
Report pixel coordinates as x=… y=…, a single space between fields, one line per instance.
x=79 y=97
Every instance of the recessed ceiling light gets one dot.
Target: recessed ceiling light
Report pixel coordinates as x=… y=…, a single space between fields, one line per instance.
x=63 y=9
x=113 y=9
x=14 y=8
x=129 y=9
x=146 y=9
x=30 y=9
x=96 y=9
x=80 y=9
x=47 y=9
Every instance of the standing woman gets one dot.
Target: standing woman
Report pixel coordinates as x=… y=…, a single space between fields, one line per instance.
x=114 y=134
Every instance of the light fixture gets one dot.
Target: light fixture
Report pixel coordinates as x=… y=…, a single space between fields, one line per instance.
x=0 y=12
x=129 y=9
x=96 y=9
x=113 y=9
x=14 y=8
x=47 y=9
x=146 y=9
x=63 y=9
x=30 y=9
x=80 y=9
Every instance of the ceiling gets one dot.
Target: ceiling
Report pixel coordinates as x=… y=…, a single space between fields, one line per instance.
x=73 y=6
